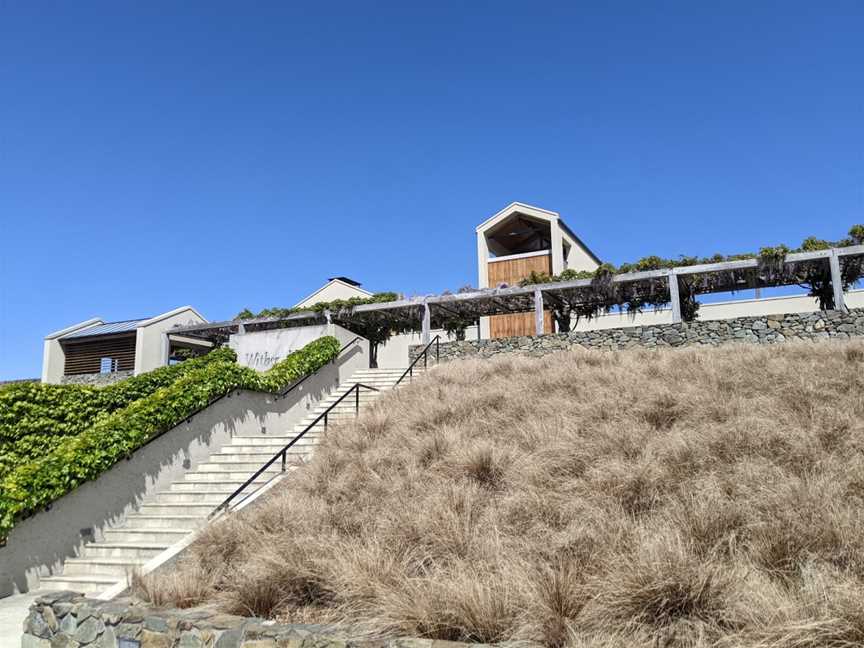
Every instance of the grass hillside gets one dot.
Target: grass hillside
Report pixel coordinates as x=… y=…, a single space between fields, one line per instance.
x=680 y=498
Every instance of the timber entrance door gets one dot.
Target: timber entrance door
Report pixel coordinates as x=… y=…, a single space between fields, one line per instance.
x=511 y=272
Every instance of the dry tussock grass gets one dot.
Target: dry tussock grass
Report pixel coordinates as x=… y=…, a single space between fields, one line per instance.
x=689 y=498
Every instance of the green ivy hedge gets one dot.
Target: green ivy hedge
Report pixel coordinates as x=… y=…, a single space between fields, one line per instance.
x=33 y=415
x=112 y=436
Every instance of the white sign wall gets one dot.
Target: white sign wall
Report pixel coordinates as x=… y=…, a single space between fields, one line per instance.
x=260 y=350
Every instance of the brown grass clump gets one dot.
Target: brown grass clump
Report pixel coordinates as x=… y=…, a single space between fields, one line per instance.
x=687 y=498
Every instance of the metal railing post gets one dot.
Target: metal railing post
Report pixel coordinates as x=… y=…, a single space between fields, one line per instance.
x=356 y=400
x=284 y=458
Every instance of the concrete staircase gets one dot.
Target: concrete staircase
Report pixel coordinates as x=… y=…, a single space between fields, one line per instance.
x=169 y=516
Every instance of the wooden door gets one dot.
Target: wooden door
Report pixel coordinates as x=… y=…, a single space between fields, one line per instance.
x=511 y=272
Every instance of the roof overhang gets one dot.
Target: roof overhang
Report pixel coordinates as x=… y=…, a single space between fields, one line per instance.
x=95 y=321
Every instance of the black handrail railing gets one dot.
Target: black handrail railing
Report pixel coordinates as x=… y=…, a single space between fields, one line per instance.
x=423 y=354
x=295 y=385
x=283 y=453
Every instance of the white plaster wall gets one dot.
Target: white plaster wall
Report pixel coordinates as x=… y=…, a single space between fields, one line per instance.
x=150 y=349
x=577 y=258
x=260 y=350
x=720 y=310
x=38 y=545
x=394 y=354
x=53 y=362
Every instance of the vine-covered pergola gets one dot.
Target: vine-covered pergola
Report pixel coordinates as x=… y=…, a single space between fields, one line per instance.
x=826 y=272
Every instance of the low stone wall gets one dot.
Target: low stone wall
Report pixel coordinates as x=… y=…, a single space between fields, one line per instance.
x=96 y=379
x=769 y=329
x=72 y=621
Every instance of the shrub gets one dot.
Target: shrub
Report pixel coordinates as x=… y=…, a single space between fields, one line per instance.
x=33 y=416
x=67 y=462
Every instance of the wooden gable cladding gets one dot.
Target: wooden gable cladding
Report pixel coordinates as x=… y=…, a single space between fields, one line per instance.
x=85 y=356
x=511 y=272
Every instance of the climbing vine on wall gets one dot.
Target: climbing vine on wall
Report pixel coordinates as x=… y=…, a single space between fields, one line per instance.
x=55 y=437
x=603 y=295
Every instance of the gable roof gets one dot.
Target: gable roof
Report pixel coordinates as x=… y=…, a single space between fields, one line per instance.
x=538 y=213
x=97 y=326
x=106 y=328
x=350 y=283
x=346 y=280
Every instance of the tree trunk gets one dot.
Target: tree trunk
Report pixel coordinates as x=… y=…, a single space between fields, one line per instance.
x=373 y=355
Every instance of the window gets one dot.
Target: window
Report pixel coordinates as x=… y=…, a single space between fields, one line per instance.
x=108 y=365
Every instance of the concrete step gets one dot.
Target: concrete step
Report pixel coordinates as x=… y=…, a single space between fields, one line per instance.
x=138 y=535
x=118 y=568
x=82 y=584
x=262 y=451
x=238 y=476
x=184 y=522
x=365 y=394
x=124 y=550
x=309 y=438
x=172 y=510
x=196 y=496
x=280 y=441
x=340 y=413
x=225 y=485
x=247 y=467
x=256 y=457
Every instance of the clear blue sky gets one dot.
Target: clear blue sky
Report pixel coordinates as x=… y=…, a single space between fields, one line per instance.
x=225 y=155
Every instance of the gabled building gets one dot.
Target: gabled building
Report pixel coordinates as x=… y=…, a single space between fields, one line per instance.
x=518 y=240
x=98 y=352
x=335 y=288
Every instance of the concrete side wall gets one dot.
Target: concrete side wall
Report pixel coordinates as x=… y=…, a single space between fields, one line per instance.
x=394 y=354
x=151 y=349
x=53 y=362
x=38 y=545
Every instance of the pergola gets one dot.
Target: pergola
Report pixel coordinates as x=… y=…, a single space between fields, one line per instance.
x=425 y=313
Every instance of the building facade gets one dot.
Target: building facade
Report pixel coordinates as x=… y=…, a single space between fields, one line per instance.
x=99 y=352
x=512 y=244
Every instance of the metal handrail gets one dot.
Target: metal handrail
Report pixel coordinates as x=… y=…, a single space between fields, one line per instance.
x=294 y=386
x=425 y=355
x=283 y=453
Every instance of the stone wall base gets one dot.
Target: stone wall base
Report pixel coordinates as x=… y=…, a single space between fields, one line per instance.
x=96 y=379
x=768 y=329
x=70 y=620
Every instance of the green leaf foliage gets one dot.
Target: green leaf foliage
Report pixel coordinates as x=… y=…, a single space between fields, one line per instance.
x=603 y=296
x=54 y=438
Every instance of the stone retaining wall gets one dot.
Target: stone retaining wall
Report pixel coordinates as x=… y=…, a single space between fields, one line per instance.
x=769 y=329
x=96 y=379
x=69 y=620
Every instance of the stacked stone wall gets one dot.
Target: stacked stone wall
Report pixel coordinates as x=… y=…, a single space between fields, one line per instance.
x=96 y=379
x=767 y=329
x=69 y=620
